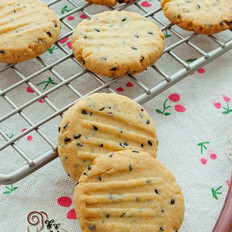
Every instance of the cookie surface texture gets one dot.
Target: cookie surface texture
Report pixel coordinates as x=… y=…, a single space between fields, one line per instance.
x=128 y=191
x=27 y=29
x=101 y=123
x=200 y=16
x=115 y=43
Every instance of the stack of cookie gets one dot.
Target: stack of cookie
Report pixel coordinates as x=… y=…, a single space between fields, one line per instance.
x=108 y=144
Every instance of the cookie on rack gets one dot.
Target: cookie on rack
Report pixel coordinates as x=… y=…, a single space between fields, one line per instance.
x=116 y=43
x=101 y=123
x=128 y=191
x=27 y=29
x=200 y=16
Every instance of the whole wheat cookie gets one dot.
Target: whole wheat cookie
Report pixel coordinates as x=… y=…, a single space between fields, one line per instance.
x=200 y=16
x=101 y=123
x=115 y=43
x=27 y=29
x=128 y=191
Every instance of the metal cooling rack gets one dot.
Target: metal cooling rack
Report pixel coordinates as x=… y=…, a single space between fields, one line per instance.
x=179 y=46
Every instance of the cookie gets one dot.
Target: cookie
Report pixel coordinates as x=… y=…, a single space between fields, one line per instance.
x=200 y=16
x=108 y=2
x=116 y=43
x=128 y=191
x=101 y=123
x=27 y=29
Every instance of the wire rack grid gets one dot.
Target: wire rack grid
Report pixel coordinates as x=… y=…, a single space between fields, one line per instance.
x=185 y=52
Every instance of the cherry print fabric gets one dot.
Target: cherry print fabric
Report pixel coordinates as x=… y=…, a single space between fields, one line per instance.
x=194 y=126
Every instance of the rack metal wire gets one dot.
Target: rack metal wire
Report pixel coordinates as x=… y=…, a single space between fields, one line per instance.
x=14 y=78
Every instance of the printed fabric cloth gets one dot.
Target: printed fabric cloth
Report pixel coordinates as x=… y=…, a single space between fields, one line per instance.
x=194 y=124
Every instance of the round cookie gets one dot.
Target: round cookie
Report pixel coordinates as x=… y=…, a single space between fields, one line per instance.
x=101 y=123
x=128 y=191
x=200 y=16
x=27 y=29
x=115 y=43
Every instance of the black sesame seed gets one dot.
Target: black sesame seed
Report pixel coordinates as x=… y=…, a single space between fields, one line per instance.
x=120 y=1
x=85 y=173
x=49 y=34
x=157 y=192
x=39 y=40
x=113 y=69
x=149 y=142
x=83 y=62
x=99 y=178
x=58 y=129
x=142 y=58
x=148 y=122
x=77 y=183
x=161 y=229
x=172 y=201
x=133 y=48
x=123 y=145
x=101 y=145
x=14 y=11
x=110 y=113
x=95 y=128
x=130 y=167
x=66 y=125
x=162 y=210
x=97 y=30
x=84 y=112
x=135 y=151
x=55 y=24
x=111 y=155
x=2 y=51
x=107 y=215
x=124 y=19
x=142 y=109
x=102 y=108
x=89 y=167
x=142 y=145
x=67 y=140
x=77 y=136
x=136 y=36
x=68 y=174
x=122 y=215
x=150 y=33
x=148 y=181
x=93 y=227
x=79 y=145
